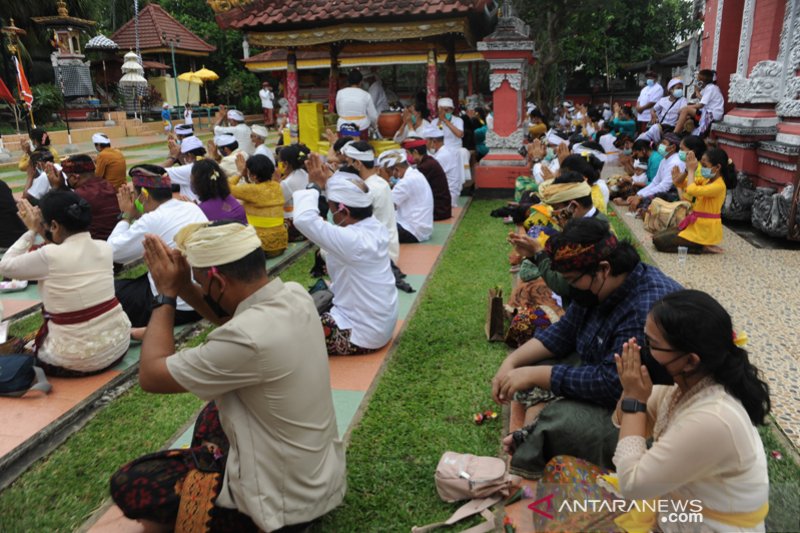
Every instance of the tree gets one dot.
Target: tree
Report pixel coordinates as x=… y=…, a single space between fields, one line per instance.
x=597 y=36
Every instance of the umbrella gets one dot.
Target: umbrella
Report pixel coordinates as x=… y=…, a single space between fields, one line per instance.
x=191 y=77
x=206 y=75
x=103 y=44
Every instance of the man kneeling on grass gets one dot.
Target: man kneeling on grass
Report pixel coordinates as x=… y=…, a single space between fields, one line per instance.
x=265 y=455
x=573 y=360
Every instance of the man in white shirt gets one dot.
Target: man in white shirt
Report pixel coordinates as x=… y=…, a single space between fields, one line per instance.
x=356 y=245
x=40 y=185
x=711 y=105
x=649 y=95
x=354 y=104
x=185 y=155
x=360 y=157
x=449 y=159
x=377 y=94
x=160 y=215
x=184 y=130
x=224 y=149
x=667 y=109
x=269 y=429
x=452 y=126
x=236 y=127
x=412 y=197
x=662 y=183
x=267 y=103
x=258 y=136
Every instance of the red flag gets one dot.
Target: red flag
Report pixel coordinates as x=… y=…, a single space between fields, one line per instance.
x=22 y=84
x=5 y=94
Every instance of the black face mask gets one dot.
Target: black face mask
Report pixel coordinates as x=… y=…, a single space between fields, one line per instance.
x=659 y=375
x=584 y=298
x=350 y=169
x=48 y=235
x=214 y=305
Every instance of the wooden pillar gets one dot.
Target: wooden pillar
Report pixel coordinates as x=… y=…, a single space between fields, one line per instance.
x=333 y=82
x=292 y=90
x=432 y=83
x=451 y=73
x=470 y=82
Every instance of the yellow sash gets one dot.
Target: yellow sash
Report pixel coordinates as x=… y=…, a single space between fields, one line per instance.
x=264 y=222
x=644 y=521
x=353 y=118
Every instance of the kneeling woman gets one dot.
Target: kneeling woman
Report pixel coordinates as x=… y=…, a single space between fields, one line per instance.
x=85 y=330
x=701 y=231
x=700 y=400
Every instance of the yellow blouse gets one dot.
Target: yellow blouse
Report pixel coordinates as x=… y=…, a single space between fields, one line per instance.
x=597 y=198
x=708 y=197
x=263 y=203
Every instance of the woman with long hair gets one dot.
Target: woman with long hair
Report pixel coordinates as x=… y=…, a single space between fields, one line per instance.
x=210 y=184
x=85 y=329
x=695 y=393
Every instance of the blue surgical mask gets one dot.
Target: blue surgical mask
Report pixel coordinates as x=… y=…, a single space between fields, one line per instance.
x=550 y=154
x=650 y=82
x=627 y=151
x=677 y=93
x=682 y=155
x=448 y=116
x=707 y=172
x=413 y=119
x=393 y=181
x=662 y=149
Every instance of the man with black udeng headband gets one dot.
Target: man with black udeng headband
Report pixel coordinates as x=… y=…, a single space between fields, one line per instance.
x=573 y=360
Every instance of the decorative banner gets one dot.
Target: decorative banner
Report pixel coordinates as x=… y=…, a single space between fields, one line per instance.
x=22 y=85
x=433 y=85
x=5 y=94
x=292 y=89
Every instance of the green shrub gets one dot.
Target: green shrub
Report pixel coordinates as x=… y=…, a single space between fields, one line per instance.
x=47 y=99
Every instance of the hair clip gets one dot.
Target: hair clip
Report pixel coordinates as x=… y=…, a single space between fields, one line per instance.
x=214 y=176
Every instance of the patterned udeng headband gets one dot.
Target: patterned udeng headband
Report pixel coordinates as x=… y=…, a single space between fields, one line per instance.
x=70 y=166
x=576 y=257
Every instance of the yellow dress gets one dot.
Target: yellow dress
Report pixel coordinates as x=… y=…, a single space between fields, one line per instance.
x=597 y=198
x=709 y=197
x=263 y=203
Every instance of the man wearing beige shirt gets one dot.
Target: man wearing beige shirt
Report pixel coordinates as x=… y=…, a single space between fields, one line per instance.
x=266 y=449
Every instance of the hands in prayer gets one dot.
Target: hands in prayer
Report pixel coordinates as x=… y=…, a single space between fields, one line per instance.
x=241 y=165
x=537 y=150
x=633 y=374
x=126 y=199
x=523 y=244
x=677 y=176
x=691 y=165
x=212 y=150
x=331 y=137
x=170 y=271
x=318 y=172
x=562 y=152
x=174 y=149
x=31 y=216
x=53 y=176
x=25 y=146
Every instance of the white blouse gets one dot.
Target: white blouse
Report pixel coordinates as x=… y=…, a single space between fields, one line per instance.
x=74 y=275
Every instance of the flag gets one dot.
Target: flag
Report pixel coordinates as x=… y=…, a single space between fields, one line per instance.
x=22 y=85
x=5 y=94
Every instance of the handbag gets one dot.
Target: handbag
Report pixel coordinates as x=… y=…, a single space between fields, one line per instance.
x=495 y=316
x=661 y=215
x=18 y=375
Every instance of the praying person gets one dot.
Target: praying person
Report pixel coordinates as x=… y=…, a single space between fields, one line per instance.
x=688 y=414
x=85 y=330
x=38 y=185
x=667 y=109
x=650 y=94
x=236 y=127
x=186 y=154
x=417 y=149
x=38 y=138
x=612 y=292
x=412 y=197
x=293 y=163
x=258 y=135
x=360 y=160
x=224 y=149
x=148 y=208
x=98 y=193
x=183 y=131
x=662 y=183
x=265 y=453
x=449 y=159
x=354 y=104
x=263 y=201
x=451 y=126
x=413 y=124
x=110 y=163
x=356 y=244
x=210 y=184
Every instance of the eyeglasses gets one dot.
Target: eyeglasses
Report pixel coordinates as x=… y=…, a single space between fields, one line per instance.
x=648 y=344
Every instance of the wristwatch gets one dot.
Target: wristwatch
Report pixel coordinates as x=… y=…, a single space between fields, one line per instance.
x=163 y=299
x=630 y=405
x=314 y=186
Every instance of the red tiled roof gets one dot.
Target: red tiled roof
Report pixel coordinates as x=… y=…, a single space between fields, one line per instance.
x=278 y=15
x=153 y=20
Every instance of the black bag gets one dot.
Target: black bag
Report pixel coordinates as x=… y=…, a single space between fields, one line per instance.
x=18 y=375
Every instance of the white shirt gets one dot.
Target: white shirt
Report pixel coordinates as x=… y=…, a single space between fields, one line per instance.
x=450 y=138
x=648 y=95
x=413 y=199
x=74 y=275
x=536 y=170
x=187 y=117
x=405 y=132
x=266 y=98
x=41 y=184
x=295 y=181
x=383 y=210
x=242 y=134
x=263 y=149
x=450 y=160
x=713 y=101
x=666 y=112
x=355 y=105
x=127 y=240
x=182 y=175
x=378 y=96
x=663 y=180
x=228 y=162
x=357 y=257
